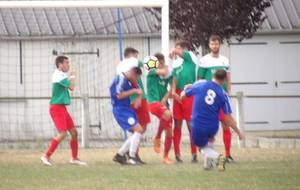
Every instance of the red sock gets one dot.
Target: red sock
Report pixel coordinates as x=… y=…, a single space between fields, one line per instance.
x=160 y=129
x=227 y=140
x=52 y=147
x=177 y=139
x=168 y=144
x=193 y=147
x=74 y=148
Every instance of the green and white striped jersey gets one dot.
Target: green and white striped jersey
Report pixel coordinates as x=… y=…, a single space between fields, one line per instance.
x=60 y=88
x=209 y=65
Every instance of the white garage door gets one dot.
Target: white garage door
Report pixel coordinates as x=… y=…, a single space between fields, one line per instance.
x=266 y=69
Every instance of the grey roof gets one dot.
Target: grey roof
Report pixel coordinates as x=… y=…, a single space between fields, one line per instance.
x=282 y=16
x=41 y=22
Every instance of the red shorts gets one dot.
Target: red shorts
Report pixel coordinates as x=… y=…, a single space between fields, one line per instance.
x=157 y=109
x=183 y=111
x=61 y=118
x=142 y=113
x=221 y=115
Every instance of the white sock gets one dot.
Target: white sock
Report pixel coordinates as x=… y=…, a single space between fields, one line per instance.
x=125 y=147
x=209 y=152
x=135 y=141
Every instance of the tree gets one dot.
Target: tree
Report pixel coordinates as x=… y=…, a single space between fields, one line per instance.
x=195 y=20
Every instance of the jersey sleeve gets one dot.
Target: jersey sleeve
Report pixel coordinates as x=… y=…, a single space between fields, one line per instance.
x=226 y=105
x=152 y=72
x=187 y=57
x=65 y=83
x=120 y=85
x=201 y=72
x=194 y=88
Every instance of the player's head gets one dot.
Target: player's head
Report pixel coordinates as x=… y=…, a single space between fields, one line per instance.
x=62 y=63
x=161 y=59
x=220 y=76
x=214 y=43
x=130 y=69
x=131 y=52
x=182 y=45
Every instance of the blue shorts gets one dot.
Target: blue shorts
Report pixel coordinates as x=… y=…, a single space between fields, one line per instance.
x=125 y=117
x=202 y=134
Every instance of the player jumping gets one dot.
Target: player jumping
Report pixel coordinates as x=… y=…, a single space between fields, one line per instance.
x=157 y=95
x=138 y=103
x=182 y=109
x=61 y=84
x=208 y=65
x=210 y=98
x=120 y=91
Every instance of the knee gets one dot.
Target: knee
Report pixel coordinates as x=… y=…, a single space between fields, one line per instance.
x=61 y=136
x=74 y=134
x=167 y=115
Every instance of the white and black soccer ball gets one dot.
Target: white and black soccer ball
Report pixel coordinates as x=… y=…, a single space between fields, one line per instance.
x=151 y=62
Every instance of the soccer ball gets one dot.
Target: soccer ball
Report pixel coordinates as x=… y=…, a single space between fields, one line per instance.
x=151 y=62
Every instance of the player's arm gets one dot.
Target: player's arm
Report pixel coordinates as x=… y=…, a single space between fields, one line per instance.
x=228 y=83
x=173 y=90
x=166 y=97
x=230 y=122
x=125 y=94
x=228 y=119
x=72 y=80
x=159 y=71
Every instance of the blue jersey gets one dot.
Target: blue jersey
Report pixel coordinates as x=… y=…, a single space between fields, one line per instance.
x=120 y=84
x=209 y=98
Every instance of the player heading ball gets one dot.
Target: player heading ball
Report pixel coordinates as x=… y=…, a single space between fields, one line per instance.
x=120 y=90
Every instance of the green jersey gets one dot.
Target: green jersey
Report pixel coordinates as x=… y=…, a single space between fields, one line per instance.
x=60 y=88
x=209 y=65
x=186 y=72
x=157 y=87
x=141 y=86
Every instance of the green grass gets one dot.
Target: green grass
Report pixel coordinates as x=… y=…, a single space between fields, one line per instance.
x=255 y=169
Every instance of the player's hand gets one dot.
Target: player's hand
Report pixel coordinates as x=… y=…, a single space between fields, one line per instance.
x=177 y=98
x=187 y=86
x=241 y=136
x=138 y=91
x=137 y=102
x=164 y=101
x=172 y=54
x=72 y=75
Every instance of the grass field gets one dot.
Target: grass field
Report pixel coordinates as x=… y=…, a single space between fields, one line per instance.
x=255 y=169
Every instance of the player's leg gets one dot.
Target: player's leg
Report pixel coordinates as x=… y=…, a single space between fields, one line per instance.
x=193 y=147
x=187 y=107
x=134 y=143
x=143 y=116
x=74 y=148
x=58 y=117
x=166 y=119
x=178 y=118
x=157 y=109
x=177 y=139
x=226 y=138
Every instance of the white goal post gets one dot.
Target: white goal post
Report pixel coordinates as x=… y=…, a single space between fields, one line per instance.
x=163 y=4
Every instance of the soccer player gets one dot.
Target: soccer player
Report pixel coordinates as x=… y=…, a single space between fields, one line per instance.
x=157 y=96
x=61 y=84
x=210 y=98
x=208 y=65
x=182 y=109
x=138 y=104
x=120 y=90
